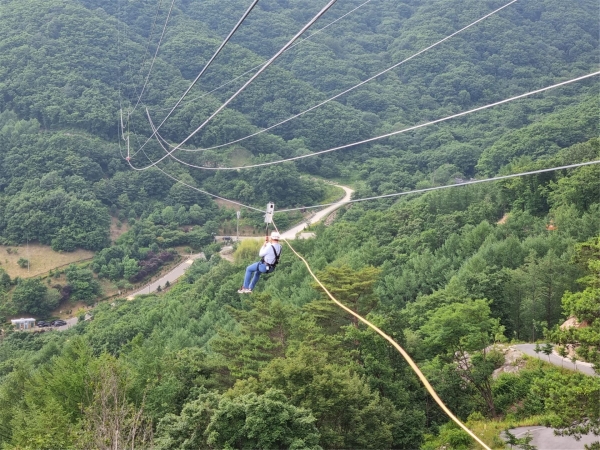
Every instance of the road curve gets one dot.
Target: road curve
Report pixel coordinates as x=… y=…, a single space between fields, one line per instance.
x=171 y=277
x=529 y=349
x=178 y=271
x=291 y=233
x=544 y=438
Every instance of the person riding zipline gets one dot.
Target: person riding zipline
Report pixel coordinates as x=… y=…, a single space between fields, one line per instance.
x=269 y=253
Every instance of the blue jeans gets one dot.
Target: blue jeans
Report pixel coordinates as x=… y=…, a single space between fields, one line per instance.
x=253 y=272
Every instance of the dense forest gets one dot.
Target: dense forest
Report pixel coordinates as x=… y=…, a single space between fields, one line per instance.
x=452 y=275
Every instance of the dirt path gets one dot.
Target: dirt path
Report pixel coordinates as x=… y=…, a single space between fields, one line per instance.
x=292 y=232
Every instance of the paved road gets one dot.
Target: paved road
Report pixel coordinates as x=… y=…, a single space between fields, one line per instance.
x=291 y=233
x=544 y=439
x=557 y=360
x=171 y=277
x=70 y=323
x=178 y=271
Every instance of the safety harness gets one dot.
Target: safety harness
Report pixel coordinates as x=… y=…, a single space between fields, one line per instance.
x=271 y=267
x=268 y=220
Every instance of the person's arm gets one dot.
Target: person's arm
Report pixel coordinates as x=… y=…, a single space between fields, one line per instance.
x=264 y=249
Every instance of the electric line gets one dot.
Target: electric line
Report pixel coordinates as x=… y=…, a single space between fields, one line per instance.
x=231 y=33
x=261 y=70
x=437 y=188
x=353 y=87
x=300 y=41
x=373 y=139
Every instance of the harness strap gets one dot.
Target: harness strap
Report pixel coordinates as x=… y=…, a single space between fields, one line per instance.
x=276 y=255
x=268 y=265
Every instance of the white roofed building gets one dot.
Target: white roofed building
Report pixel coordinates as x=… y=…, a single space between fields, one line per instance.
x=23 y=324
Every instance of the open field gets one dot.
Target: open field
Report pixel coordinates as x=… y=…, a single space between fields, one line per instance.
x=41 y=258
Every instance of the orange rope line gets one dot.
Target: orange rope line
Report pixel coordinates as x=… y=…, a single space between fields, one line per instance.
x=408 y=359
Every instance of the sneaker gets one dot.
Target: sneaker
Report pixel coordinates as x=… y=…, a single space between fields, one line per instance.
x=244 y=291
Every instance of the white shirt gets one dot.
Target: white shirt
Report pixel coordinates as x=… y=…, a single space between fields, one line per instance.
x=266 y=252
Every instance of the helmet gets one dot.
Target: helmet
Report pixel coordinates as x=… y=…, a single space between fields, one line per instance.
x=275 y=235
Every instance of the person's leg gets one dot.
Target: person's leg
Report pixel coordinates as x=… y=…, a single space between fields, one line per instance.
x=261 y=268
x=250 y=270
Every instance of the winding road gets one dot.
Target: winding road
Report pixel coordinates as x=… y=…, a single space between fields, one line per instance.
x=178 y=271
x=171 y=276
x=292 y=232
x=544 y=437
x=557 y=360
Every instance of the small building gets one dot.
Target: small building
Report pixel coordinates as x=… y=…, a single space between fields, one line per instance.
x=23 y=324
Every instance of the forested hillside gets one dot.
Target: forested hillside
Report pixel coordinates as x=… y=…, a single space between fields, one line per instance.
x=447 y=274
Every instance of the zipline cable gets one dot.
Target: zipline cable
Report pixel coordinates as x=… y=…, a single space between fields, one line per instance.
x=231 y=33
x=261 y=70
x=437 y=188
x=397 y=194
x=143 y=59
x=257 y=66
x=353 y=87
x=153 y=60
x=190 y=186
x=126 y=139
x=205 y=192
x=376 y=138
x=151 y=34
x=405 y=355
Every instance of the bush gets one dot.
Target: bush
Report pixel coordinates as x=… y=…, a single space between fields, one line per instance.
x=247 y=251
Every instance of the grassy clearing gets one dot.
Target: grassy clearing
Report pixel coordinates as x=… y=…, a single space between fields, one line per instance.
x=41 y=258
x=489 y=431
x=117 y=228
x=333 y=194
x=69 y=310
x=239 y=157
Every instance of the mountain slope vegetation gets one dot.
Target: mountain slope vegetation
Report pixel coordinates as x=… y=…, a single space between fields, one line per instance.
x=448 y=273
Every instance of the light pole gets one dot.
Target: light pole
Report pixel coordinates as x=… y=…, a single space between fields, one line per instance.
x=237 y=227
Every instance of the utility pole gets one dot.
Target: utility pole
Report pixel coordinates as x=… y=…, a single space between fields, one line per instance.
x=237 y=227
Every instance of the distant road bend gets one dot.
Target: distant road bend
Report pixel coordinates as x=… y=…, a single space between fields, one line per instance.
x=178 y=271
x=171 y=277
x=557 y=360
x=292 y=232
